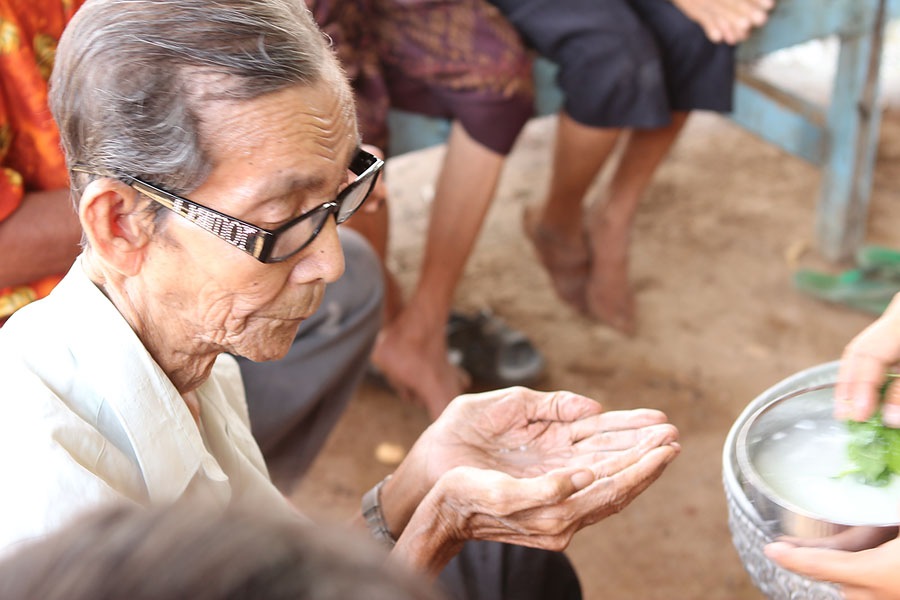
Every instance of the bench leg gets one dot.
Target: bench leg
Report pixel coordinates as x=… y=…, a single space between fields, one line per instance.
x=853 y=125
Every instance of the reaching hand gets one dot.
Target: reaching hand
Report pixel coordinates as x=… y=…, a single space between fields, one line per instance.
x=525 y=433
x=864 y=363
x=532 y=468
x=868 y=574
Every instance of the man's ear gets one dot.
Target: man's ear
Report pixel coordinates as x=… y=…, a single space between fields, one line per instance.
x=117 y=230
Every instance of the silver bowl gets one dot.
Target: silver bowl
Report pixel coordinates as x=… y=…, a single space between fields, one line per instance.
x=812 y=406
x=750 y=531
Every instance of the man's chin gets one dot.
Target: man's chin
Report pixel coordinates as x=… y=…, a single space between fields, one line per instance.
x=272 y=345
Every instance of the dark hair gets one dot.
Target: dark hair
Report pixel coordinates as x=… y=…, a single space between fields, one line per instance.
x=193 y=550
x=132 y=76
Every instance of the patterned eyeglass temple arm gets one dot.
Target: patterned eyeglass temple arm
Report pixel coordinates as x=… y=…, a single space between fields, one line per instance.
x=240 y=234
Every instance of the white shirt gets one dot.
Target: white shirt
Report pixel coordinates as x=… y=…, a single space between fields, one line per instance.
x=88 y=417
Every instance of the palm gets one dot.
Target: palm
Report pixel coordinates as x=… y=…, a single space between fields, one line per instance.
x=525 y=433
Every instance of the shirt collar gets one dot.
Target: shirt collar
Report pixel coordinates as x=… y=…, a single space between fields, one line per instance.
x=114 y=362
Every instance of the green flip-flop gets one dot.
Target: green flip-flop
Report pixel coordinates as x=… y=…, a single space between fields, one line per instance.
x=869 y=290
x=879 y=262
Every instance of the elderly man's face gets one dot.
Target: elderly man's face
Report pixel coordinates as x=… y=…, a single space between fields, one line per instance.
x=276 y=157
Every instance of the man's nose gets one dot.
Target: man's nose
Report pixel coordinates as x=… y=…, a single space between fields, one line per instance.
x=323 y=258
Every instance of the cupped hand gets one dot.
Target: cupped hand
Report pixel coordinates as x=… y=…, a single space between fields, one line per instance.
x=864 y=364
x=546 y=511
x=525 y=467
x=525 y=433
x=543 y=512
x=867 y=574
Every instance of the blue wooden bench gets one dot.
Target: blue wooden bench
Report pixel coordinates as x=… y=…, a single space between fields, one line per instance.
x=840 y=138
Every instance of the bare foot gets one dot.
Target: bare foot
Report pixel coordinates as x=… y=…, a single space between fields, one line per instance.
x=567 y=263
x=609 y=296
x=729 y=21
x=414 y=362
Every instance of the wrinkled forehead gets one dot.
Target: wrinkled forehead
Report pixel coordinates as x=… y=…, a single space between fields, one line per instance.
x=298 y=140
x=325 y=110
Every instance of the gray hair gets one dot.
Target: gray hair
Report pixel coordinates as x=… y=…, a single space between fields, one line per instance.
x=193 y=549
x=131 y=78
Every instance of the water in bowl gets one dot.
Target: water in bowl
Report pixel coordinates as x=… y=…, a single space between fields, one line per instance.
x=804 y=464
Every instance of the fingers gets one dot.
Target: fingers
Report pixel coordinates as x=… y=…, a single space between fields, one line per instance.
x=610 y=494
x=532 y=405
x=859 y=377
x=546 y=511
x=606 y=453
x=863 y=366
x=851 y=540
x=852 y=592
x=847 y=568
x=733 y=28
x=617 y=420
x=559 y=406
x=498 y=495
x=728 y=21
x=890 y=412
x=631 y=466
x=611 y=441
x=584 y=413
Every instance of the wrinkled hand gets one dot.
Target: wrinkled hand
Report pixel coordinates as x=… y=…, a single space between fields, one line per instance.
x=532 y=468
x=525 y=433
x=867 y=574
x=864 y=363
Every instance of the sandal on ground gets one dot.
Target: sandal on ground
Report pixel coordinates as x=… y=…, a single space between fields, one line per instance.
x=879 y=262
x=491 y=351
x=870 y=287
x=856 y=288
x=568 y=265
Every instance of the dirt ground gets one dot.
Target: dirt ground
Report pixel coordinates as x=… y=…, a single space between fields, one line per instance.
x=726 y=221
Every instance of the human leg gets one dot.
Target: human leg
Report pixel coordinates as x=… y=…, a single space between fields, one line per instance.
x=611 y=75
x=609 y=295
x=556 y=228
x=698 y=74
x=463 y=61
x=295 y=402
x=411 y=351
x=639 y=65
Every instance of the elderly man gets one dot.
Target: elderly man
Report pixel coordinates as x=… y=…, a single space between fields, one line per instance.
x=213 y=149
x=40 y=235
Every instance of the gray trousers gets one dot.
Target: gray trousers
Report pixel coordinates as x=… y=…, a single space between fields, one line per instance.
x=296 y=401
x=495 y=571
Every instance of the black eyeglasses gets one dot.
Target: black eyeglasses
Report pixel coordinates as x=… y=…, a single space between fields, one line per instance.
x=262 y=244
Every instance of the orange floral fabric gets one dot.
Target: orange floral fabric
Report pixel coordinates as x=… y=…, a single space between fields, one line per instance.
x=30 y=154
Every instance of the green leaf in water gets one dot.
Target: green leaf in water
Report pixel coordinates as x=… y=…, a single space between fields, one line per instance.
x=874 y=448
